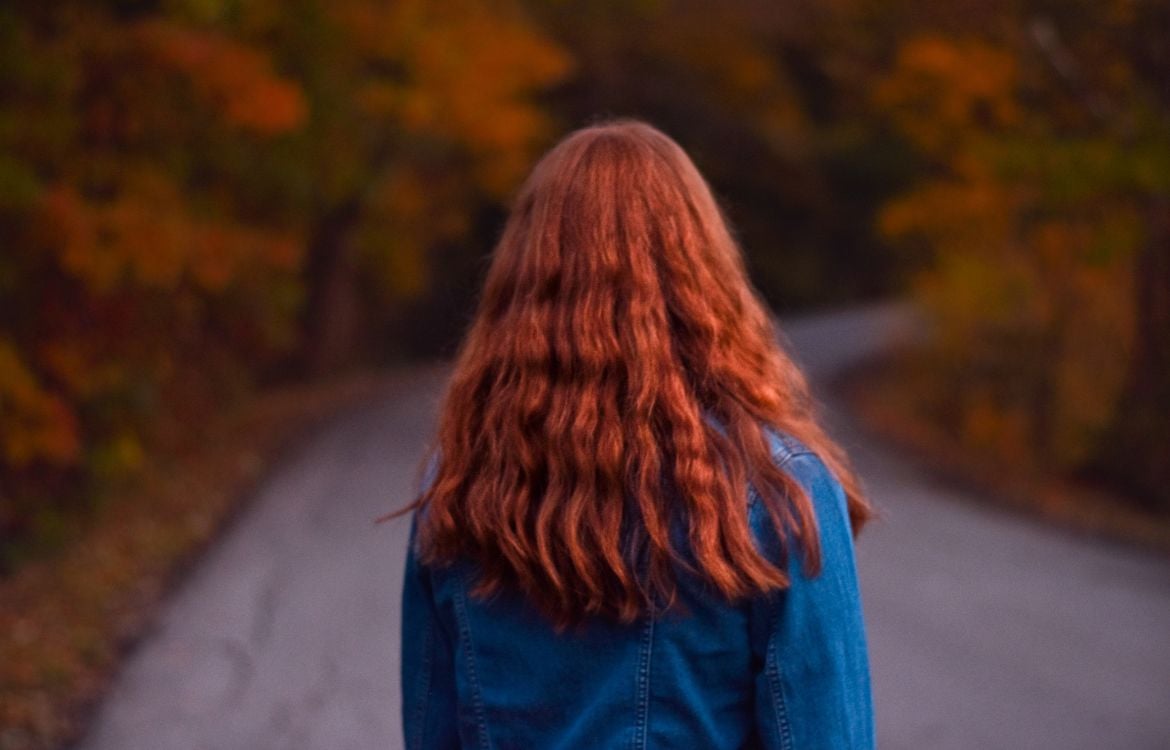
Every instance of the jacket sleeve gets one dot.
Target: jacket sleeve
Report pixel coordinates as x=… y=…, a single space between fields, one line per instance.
x=427 y=664
x=809 y=644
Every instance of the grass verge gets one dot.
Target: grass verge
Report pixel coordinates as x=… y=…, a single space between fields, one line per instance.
x=66 y=621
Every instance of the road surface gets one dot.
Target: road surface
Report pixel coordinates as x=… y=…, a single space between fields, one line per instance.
x=986 y=630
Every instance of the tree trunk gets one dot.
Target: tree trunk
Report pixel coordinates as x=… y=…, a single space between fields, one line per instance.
x=1136 y=452
x=330 y=322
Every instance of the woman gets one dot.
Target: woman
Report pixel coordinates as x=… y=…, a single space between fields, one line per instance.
x=632 y=531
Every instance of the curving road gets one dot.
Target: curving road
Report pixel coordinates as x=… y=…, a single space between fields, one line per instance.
x=986 y=630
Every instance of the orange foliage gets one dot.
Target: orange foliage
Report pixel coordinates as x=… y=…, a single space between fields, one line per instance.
x=35 y=424
x=467 y=68
x=146 y=236
x=1033 y=223
x=941 y=88
x=234 y=78
x=172 y=180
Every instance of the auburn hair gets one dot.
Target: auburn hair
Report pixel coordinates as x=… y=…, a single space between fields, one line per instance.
x=615 y=384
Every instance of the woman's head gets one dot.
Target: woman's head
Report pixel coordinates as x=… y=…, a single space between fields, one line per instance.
x=616 y=379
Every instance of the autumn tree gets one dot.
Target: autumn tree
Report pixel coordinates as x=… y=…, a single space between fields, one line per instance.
x=195 y=194
x=136 y=256
x=1046 y=130
x=419 y=112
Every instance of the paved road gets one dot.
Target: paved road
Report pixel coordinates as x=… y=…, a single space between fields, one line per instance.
x=986 y=631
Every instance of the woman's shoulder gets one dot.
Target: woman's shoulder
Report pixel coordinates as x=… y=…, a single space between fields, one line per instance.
x=793 y=456
x=820 y=485
x=785 y=446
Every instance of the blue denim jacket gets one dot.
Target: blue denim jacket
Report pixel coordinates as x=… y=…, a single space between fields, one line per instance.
x=788 y=670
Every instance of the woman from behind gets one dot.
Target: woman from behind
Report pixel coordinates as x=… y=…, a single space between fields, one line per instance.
x=631 y=531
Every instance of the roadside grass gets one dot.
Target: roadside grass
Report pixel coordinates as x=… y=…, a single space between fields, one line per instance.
x=884 y=408
x=66 y=620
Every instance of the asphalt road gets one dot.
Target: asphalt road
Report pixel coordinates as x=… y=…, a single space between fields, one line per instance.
x=986 y=630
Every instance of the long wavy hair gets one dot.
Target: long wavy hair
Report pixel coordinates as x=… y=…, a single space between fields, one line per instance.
x=615 y=384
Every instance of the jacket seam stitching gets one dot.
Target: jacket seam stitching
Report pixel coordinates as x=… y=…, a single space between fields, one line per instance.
x=784 y=460
x=473 y=678
x=789 y=455
x=779 y=707
x=643 y=716
x=420 y=710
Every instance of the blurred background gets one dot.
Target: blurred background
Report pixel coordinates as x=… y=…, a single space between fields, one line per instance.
x=225 y=220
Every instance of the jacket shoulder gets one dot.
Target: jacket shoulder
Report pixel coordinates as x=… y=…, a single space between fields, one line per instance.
x=821 y=486
x=784 y=446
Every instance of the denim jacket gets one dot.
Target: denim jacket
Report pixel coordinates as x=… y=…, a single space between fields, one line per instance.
x=788 y=670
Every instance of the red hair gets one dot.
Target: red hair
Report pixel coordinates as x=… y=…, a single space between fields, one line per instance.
x=616 y=317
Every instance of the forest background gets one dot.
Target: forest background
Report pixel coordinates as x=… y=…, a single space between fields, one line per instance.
x=200 y=199
x=206 y=201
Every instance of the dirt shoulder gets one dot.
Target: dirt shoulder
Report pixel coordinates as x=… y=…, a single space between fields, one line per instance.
x=870 y=395
x=66 y=621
